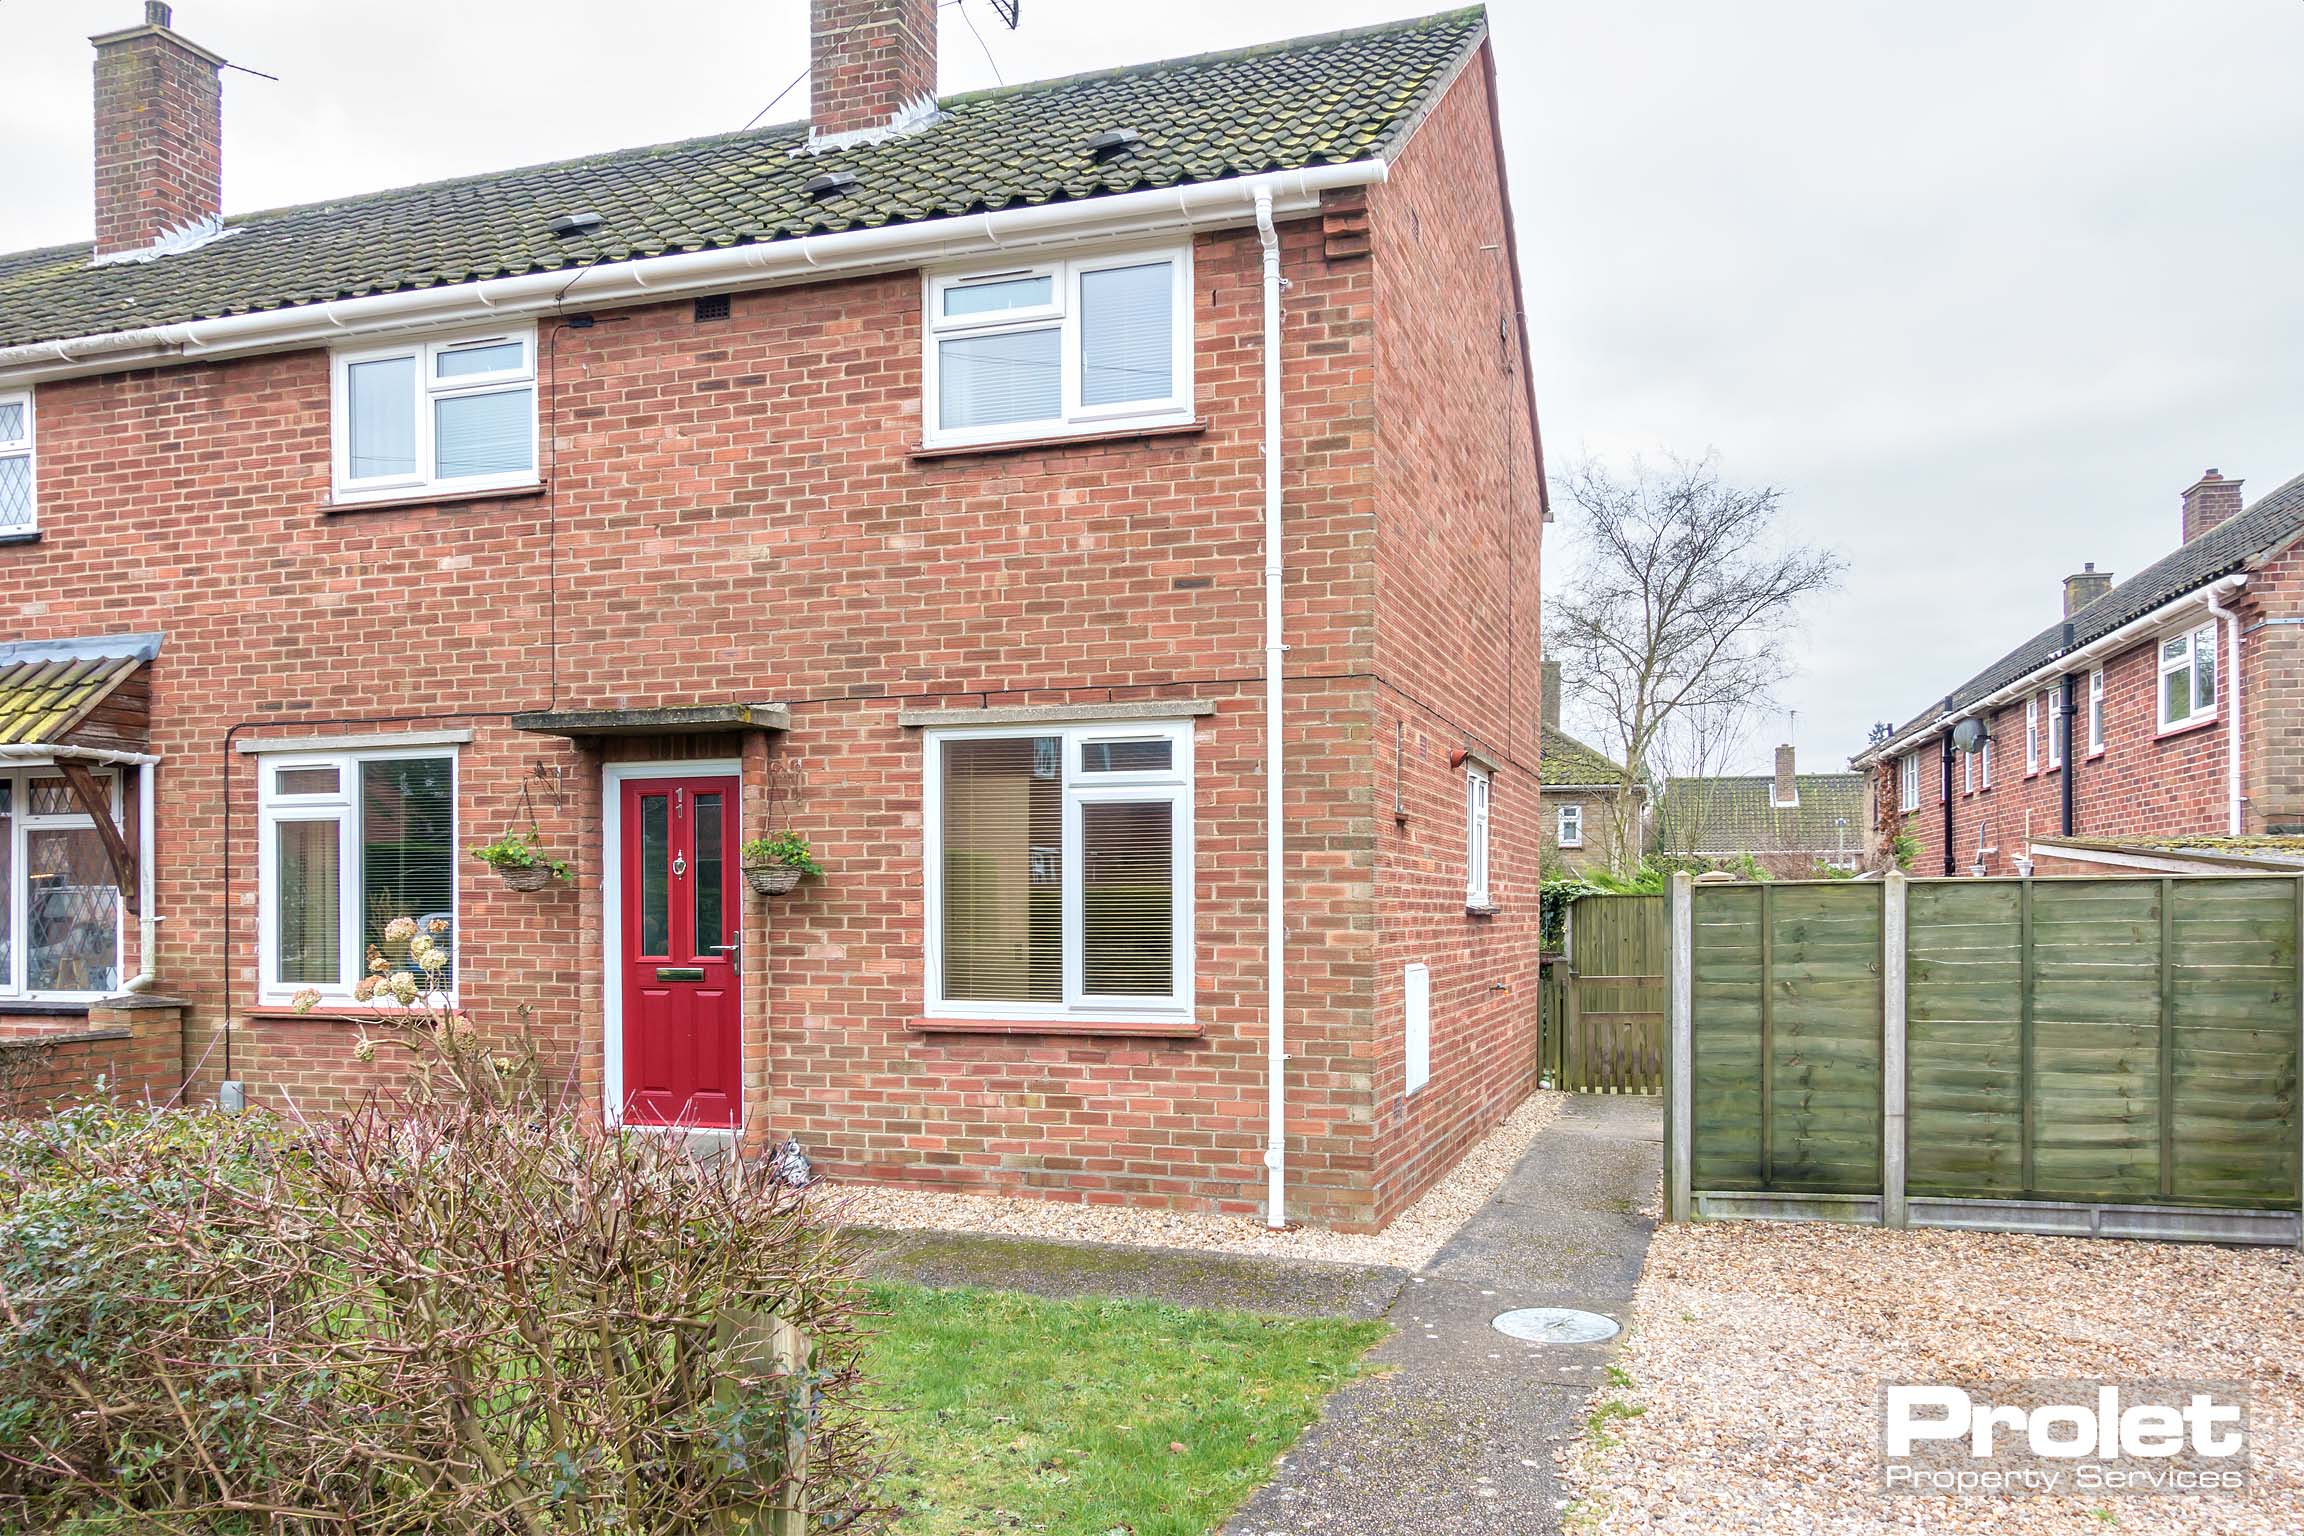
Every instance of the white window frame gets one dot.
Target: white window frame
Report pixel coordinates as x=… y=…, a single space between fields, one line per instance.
x=1479 y=788
x=21 y=824
x=1967 y=773
x=1063 y=312
x=342 y=806
x=1908 y=782
x=2052 y=715
x=2032 y=734
x=1080 y=787
x=26 y=448
x=2200 y=640
x=425 y=353
x=2095 y=711
x=1985 y=772
x=1571 y=826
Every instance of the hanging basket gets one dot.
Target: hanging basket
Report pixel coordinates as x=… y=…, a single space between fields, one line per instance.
x=525 y=877
x=771 y=879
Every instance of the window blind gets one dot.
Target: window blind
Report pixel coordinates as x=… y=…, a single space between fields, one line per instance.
x=1003 y=874
x=1127 y=898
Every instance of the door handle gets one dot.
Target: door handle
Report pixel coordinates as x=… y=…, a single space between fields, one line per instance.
x=679 y=973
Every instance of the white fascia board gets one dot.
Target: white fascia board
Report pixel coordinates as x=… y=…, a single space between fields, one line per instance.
x=656 y=279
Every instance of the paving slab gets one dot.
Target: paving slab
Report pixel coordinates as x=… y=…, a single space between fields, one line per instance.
x=1457 y=1434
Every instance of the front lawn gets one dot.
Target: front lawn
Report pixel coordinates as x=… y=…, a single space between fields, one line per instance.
x=1096 y=1417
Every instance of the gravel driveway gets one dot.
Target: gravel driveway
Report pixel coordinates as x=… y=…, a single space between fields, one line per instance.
x=1734 y=1322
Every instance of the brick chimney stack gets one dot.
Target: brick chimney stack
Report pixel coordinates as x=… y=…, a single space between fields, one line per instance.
x=1786 y=789
x=2084 y=586
x=159 y=134
x=1551 y=695
x=2211 y=499
x=871 y=64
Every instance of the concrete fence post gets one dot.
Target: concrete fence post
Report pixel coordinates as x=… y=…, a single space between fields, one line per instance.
x=1893 y=1074
x=1679 y=1153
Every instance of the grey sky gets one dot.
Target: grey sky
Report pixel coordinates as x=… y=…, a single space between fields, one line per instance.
x=1982 y=285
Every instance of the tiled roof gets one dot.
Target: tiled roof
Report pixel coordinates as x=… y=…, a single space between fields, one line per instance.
x=1738 y=815
x=1313 y=101
x=2273 y=521
x=47 y=688
x=1569 y=761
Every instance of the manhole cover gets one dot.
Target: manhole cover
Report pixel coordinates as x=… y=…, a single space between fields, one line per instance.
x=1554 y=1325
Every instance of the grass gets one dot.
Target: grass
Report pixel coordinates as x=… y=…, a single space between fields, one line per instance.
x=1092 y=1417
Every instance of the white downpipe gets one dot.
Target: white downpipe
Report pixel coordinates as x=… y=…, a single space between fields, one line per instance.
x=2234 y=725
x=147 y=925
x=1275 y=654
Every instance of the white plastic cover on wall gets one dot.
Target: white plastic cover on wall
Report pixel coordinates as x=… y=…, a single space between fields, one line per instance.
x=1418 y=995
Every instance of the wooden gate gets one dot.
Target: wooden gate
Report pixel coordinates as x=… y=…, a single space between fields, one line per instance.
x=1612 y=997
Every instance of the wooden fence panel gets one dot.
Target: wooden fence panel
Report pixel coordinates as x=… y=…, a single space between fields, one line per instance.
x=2231 y=1050
x=1821 y=1025
x=1726 y=1106
x=1964 y=1040
x=2095 y=998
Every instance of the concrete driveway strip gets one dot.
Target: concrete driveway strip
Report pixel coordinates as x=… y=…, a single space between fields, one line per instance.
x=1458 y=1434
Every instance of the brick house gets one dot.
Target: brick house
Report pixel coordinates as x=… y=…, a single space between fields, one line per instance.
x=918 y=478
x=1790 y=824
x=1583 y=792
x=2158 y=724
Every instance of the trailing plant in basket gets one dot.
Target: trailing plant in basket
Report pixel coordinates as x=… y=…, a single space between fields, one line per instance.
x=786 y=848
x=522 y=853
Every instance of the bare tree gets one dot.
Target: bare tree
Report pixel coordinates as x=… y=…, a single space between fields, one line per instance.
x=1680 y=599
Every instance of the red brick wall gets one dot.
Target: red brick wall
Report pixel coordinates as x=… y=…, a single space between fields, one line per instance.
x=736 y=513
x=133 y=1051
x=1458 y=529
x=2143 y=783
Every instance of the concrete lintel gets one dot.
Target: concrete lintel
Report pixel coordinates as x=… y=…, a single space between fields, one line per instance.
x=375 y=740
x=694 y=719
x=1058 y=714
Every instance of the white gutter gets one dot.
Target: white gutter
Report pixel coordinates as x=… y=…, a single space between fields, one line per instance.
x=656 y=279
x=2231 y=703
x=2118 y=640
x=1275 y=655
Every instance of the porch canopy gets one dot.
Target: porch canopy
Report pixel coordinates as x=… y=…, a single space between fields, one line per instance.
x=73 y=703
x=684 y=719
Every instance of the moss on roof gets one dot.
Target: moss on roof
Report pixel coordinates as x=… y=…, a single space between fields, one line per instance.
x=1738 y=814
x=1312 y=101
x=1568 y=761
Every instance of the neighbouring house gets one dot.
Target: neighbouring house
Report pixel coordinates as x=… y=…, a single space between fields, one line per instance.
x=939 y=479
x=1583 y=793
x=1788 y=824
x=2161 y=714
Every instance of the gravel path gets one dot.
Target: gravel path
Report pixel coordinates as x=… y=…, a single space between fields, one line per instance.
x=1408 y=1243
x=1757 y=1351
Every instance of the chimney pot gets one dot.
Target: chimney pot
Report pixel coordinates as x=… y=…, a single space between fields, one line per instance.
x=1786 y=789
x=2084 y=586
x=2208 y=502
x=871 y=63
x=159 y=134
x=1552 y=695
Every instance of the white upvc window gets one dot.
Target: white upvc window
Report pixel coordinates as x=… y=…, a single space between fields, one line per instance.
x=2032 y=734
x=59 y=899
x=2052 y=716
x=1477 y=784
x=2188 y=677
x=1056 y=348
x=349 y=842
x=1571 y=826
x=2096 y=711
x=1967 y=773
x=19 y=487
x=1060 y=872
x=1985 y=772
x=441 y=415
x=1908 y=782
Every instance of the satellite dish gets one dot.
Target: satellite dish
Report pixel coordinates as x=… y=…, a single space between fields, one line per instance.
x=1970 y=735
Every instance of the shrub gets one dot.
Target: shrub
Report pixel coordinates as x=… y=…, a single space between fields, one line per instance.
x=788 y=848
x=450 y=1312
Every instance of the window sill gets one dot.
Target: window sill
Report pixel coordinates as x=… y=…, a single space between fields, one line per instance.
x=25 y=1008
x=2185 y=728
x=435 y=499
x=28 y=536
x=929 y=452
x=1177 y=1030
x=1482 y=908
x=326 y=1012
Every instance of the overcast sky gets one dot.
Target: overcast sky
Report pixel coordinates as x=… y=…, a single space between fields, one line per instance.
x=1980 y=284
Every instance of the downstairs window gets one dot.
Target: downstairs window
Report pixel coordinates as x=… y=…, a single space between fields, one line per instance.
x=59 y=901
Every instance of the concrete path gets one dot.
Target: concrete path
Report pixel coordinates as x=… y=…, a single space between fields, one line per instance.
x=1458 y=1436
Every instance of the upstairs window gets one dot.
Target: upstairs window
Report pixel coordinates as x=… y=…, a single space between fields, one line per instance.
x=1571 y=826
x=2188 y=677
x=1060 y=872
x=2032 y=734
x=19 y=512
x=1057 y=348
x=2096 y=710
x=436 y=416
x=1985 y=771
x=2052 y=710
x=351 y=843
x=1908 y=782
x=1476 y=787
x=1967 y=773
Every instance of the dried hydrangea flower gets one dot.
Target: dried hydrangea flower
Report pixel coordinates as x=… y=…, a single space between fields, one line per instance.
x=364 y=1049
x=400 y=930
x=305 y=1001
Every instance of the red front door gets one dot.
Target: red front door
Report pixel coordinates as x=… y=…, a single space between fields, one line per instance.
x=682 y=915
